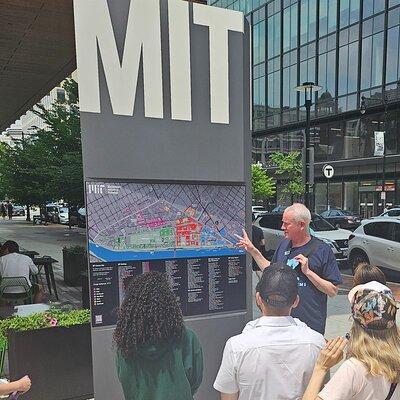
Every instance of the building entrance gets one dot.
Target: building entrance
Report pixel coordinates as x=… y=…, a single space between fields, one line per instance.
x=368 y=204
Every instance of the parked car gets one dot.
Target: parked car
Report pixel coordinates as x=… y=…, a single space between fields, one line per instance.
x=336 y=238
x=393 y=212
x=377 y=242
x=61 y=215
x=257 y=210
x=342 y=218
x=18 y=210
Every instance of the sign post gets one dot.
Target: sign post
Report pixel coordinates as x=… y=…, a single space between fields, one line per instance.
x=328 y=172
x=164 y=101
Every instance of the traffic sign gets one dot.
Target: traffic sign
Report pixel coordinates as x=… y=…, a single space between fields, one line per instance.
x=328 y=171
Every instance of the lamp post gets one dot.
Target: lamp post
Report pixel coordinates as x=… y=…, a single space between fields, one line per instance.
x=308 y=165
x=363 y=109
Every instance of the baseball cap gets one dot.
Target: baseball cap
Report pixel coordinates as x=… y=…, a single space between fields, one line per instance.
x=373 y=306
x=278 y=285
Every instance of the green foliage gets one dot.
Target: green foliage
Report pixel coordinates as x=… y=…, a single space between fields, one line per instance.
x=289 y=170
x=75 y=249
x=263 y=186
x=47 y=164
x=50 y=319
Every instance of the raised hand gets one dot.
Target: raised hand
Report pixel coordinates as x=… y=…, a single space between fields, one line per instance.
x=244 y=242
x=331 y=354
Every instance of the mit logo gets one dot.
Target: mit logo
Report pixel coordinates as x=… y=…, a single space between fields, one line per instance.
x=95 y=36
x=95 y=188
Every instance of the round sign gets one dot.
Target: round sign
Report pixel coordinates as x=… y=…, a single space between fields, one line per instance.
x=328 y=171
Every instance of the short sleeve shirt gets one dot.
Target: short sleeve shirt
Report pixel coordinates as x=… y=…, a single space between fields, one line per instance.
x=273 y=358
x=312 y=308
x=352 y=382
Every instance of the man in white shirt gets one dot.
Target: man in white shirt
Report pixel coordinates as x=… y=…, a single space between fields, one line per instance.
x=274 y=356
x=13 y=264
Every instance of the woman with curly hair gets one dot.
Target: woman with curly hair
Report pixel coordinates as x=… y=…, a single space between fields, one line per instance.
x=158 y=358
x=372 y=368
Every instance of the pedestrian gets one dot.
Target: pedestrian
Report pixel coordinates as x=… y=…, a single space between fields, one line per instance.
x=274 y=356
x=314 y=261
x=365 y=273
x=158 y=358
x=3 y=210
x=257 y=236
x=9 y=210
x=372 y=368
x=13 y=264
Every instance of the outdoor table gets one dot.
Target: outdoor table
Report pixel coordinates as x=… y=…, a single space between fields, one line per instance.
x=29 y=253
x=47 y=263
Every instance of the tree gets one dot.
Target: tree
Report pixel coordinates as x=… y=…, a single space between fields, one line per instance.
x=263 y=186
x=47 y=165
x=62 y=140
x=289 y=171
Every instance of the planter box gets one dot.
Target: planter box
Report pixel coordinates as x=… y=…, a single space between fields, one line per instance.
x=58 y=361
x=73 y=265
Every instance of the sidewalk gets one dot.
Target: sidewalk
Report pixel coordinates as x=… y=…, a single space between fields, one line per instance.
x=48 y=240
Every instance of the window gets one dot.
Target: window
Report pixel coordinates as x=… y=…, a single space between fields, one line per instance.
x=318 y=224
x=371 y=7
x=348 y=59
x=393 y=213
x=259 y=42
x=259 y=97
x=396 y=233
x=392 y=65
x=382 y=230
x=271 y=222
x=349 y=12
x=274 y=35
x=372 y=61
x=290 y=28
x=327 y=16
x=308 y=20
x=307 y=63
x=61 y=95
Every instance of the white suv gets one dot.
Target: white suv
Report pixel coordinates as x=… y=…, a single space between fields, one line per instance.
x=376 y=241
x=336 y=238
x=393 y=212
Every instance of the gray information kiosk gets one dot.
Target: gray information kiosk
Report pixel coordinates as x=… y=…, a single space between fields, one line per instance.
x=164 y=100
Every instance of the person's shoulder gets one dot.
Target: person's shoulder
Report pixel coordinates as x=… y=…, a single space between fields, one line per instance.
x=309 y=334
x=23 y=257
x=189 y=335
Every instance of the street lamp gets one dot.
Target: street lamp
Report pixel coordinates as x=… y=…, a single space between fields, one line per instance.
x=363 y=109
x=308 y=166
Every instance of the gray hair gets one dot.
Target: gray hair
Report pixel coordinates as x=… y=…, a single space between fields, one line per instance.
x=300 y=212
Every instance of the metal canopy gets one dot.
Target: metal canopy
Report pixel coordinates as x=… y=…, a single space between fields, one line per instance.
x=37 y=51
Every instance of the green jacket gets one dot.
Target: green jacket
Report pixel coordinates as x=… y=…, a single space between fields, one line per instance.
x=163 y=371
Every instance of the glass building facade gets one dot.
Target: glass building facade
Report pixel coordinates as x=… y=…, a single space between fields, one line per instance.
x=351 y=48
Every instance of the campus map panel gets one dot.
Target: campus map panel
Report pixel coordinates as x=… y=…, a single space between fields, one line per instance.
x=186 y=231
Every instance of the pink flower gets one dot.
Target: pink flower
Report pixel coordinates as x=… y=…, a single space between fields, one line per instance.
x=53 y=322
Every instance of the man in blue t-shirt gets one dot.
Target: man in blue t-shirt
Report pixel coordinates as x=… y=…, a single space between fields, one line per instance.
x=314 y=261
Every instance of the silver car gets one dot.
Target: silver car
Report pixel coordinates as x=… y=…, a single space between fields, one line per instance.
x=336 y=238
x=377 y=242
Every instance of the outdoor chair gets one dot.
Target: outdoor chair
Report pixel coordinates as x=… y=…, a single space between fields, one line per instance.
x=26 y=297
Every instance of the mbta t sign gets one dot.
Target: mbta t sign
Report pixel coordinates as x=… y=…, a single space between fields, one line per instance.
x=328 y=171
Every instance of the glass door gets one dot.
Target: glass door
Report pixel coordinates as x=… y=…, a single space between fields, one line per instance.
x=367 y=204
